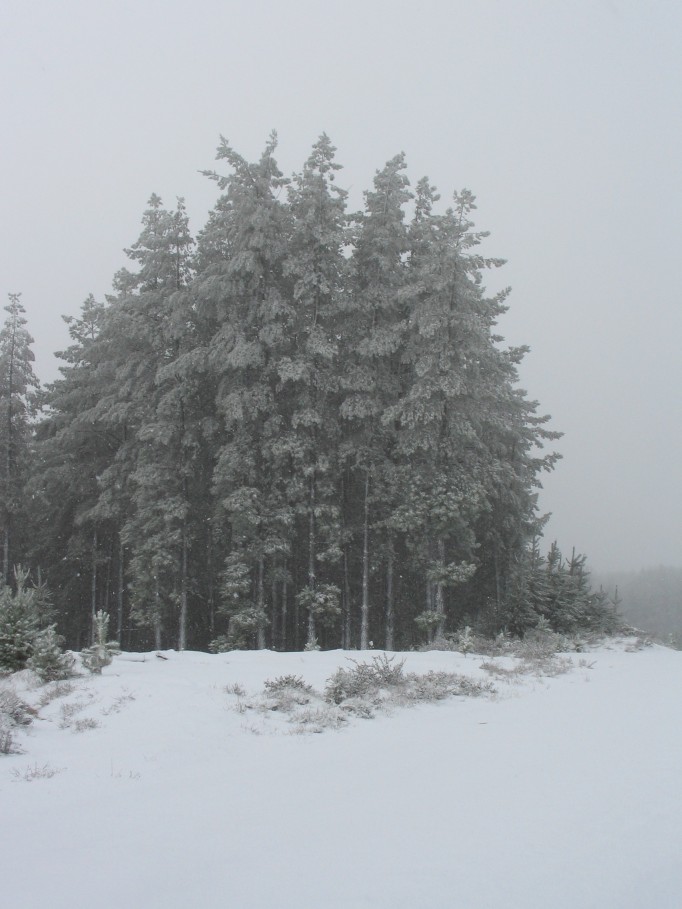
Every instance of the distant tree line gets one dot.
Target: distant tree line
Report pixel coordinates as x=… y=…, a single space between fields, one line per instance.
x=298 y=429
x=650 y=599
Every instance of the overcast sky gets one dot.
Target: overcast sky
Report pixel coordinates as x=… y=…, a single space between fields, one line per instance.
x=565 y=120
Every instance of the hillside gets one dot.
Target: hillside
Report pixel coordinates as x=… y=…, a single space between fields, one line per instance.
x=154 y=786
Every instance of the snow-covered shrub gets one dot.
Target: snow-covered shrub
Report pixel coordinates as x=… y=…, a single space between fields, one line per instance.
x=48 y=660
x=364 y=679
x=13 y=712
x=25 y=637
x=54 y=690
x=101 y=653
x=287 y=682
x=6 y=737
x=19 y=623
x=317 y=719
x=465 y=640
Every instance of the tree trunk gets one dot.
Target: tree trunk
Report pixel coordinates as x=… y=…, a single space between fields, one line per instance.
x=157 y=616
x=283 y=641
x=440 y=592
x=261 y=603
x=211 y=586
x=364 y=621
x=119 y=593
x=311 y=564
x=273 y=596
x=346 y=634
x=389 y=599
x=182 y=630
x=93 y=588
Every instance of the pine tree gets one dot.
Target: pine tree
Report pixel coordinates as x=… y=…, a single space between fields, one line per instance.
x=101 y=652
x=308 y=451
x=372 y=350
x=246 y=296
x=18 y=404
x=164 y=410
x=75 y=447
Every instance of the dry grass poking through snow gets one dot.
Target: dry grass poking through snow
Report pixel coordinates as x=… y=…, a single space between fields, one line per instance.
x=362 y=690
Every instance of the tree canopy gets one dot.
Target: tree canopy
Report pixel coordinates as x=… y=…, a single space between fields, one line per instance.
x=300 y=429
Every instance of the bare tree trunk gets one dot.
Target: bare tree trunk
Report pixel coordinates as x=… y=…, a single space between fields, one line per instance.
x=389 y=599
x=346 y=635
x=311 y=563
x=364 y=621
x=440 y=592
x=211 y=589
x=157 y=617
x=261 y=603
x=93 y=587
x=283 y=642
x=273 y=596
x=119 y=593
x=182 y=630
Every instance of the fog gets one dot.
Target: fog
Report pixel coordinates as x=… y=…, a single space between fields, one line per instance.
x=563 y=119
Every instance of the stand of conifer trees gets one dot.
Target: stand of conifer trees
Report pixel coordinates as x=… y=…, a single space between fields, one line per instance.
x=299 y=429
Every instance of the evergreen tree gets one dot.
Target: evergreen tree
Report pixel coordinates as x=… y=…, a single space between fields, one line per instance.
x=18 y=404
x=246 y=295
x=372 y=350
x=163 y=410
x=74 y=449
x=308 y=451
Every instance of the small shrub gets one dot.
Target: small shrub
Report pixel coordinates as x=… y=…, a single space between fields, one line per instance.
x=364 y=679
x=35 y=772
x=318 y=719
x=287 y=681
x=68 y=712
x=436 y=686
x=59 y=689
x=84 y=724
x=48 y=660
x=236 y=689
x=102 y=652
x=14 y=709
x=465 y=640
x=221 y=644
x=6 y=739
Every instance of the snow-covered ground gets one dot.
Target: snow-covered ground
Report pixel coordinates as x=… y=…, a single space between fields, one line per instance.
x=556 y=792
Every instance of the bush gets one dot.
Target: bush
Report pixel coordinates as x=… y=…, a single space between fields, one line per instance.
x=101 y=653
x=364 y=679
x=284 y=682
x=23 y=617
x=13 y=712
x=48 y=660
x=13 y=709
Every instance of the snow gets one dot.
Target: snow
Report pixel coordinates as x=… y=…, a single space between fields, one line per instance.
x=556 y=792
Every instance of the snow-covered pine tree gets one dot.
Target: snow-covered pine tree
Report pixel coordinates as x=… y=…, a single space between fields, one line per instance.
x=101 y=652
x=247 y=298
x=74 y=449
x=308 y=450
x=48 y=659
x=18 y=403
x=372 y=346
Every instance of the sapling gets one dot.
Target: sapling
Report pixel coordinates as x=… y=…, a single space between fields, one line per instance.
x=102 y=652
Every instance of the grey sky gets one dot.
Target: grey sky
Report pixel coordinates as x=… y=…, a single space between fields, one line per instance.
x=565 y=119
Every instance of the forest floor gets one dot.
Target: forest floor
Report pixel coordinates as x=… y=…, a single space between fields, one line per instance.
x=181 y=780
